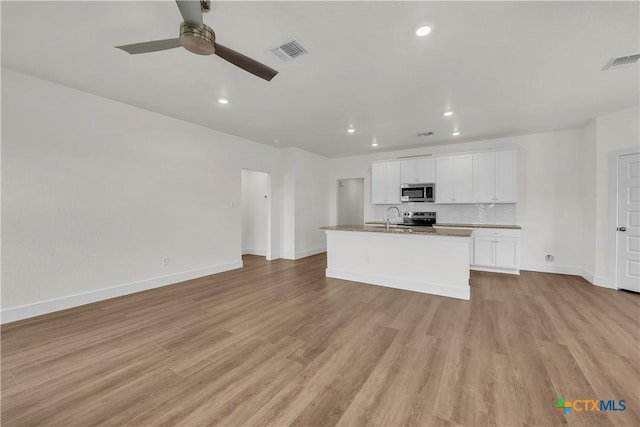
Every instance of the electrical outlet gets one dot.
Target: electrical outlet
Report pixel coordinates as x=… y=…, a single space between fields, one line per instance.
x=165 y=261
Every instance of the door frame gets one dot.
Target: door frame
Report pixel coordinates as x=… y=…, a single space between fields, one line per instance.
x=614 y=156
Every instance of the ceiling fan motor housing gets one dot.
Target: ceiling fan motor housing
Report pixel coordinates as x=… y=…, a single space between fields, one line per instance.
x=197 y=39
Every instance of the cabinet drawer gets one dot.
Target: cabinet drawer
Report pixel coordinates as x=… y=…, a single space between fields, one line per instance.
x=495 y=232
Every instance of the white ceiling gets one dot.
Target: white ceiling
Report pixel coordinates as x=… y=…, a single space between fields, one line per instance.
x=505 y=68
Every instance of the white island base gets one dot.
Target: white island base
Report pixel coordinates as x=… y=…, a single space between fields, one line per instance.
x=428 y=263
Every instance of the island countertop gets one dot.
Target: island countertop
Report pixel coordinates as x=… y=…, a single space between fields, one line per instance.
x=455 y=225
x=403 y=230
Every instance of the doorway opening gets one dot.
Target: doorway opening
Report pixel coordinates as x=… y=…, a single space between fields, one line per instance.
x=256 y=213
x=351 y=201
x=624 y=242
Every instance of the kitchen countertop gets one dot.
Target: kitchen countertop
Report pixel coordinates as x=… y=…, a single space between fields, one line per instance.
x=402 y=230
x=454 y=225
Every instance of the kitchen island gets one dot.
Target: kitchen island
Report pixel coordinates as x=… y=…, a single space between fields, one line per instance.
x=421 y=259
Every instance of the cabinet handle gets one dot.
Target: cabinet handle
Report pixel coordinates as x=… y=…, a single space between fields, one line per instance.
x=622 y=229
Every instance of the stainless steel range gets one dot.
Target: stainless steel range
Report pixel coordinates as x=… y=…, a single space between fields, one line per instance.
x=419 y=219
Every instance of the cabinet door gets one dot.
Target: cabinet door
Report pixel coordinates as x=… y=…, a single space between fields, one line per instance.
x=506 y=177
x=463 y=179
x=393 y=183
x=483 y=251
x=425 y=170
x=484 y=182
x=505 y=253
x=408 y=171
x=378 y=183
x=444 y=180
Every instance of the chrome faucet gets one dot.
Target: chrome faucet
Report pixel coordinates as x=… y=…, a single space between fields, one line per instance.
x=388 y=209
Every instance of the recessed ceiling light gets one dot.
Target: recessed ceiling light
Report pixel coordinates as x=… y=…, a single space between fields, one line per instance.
x=277 y=141
x=375 y=144
x=351 y=130
x=448 y=113
x=423 y=31
x=223 y=101
x=456 y=133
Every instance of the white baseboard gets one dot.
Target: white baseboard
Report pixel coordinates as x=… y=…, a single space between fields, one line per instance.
x=601 y=281
x=557 y=269
x=315 y=251
x=495 y=270
x=36 y=309
x=407 y=285
x=251 y=251
x=304 y=254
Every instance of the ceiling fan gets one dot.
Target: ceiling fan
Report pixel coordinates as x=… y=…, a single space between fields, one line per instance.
x=198 y=38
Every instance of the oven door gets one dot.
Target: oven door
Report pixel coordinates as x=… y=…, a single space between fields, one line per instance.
x=412 y=194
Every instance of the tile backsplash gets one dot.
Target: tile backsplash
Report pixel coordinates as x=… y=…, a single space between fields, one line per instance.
x=480 y=213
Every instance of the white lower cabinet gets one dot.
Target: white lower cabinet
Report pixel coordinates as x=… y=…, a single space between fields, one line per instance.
x=496 y=250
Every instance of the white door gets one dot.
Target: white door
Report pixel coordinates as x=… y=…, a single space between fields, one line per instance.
x=628 y=255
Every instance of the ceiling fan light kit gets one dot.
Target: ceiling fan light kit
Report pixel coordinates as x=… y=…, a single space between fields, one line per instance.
x=200 y=39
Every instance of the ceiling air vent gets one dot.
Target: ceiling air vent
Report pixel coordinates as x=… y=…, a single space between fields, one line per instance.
x=290 y=50
x=623 y=61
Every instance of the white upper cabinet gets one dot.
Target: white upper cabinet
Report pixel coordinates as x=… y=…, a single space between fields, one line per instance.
x=507 y=177
x=484 y=180
x=385 y=183
x=483 y=177
x=454 y=179
x=418 y=171
x=495 y=177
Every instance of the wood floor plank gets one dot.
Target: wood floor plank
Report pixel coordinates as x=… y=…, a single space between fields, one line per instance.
x=279 y=344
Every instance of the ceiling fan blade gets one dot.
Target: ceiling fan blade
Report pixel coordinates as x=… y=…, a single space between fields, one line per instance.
x=153 y=46
x=191 y=12
x=244 y=62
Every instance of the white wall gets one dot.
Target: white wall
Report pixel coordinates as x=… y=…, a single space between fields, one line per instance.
x=350 y=201
x=549 y=182
x=614 y=131
x=305 y=177
x=255 y=212
x=95 y=193
x=589 y=189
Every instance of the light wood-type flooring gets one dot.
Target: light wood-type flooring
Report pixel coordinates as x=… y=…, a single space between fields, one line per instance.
x=277 y=343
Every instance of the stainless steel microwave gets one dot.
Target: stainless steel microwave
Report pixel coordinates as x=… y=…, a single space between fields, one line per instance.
x=417 y=193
